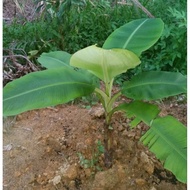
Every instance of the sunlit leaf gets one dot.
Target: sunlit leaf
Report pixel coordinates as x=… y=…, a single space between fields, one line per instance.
x=167 y=139
x=105 y=64
x=136 y=36
x=55 y=59
x=45 y=88
x=155 y=85
x=144 y=111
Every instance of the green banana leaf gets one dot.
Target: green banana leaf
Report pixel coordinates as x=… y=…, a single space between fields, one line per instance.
x=146 y=112
x=166 y=138
x=58 y=59
x=44 y=88
x=136 y=36
x=155 y=85
x=105 y=64
x=55 y=59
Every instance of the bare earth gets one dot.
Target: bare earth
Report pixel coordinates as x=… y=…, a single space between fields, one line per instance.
x=41 y=152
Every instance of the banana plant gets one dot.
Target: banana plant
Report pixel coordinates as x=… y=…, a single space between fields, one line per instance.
x=70 y=76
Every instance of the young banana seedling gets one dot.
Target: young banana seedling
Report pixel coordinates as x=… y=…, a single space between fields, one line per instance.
x=70 y=76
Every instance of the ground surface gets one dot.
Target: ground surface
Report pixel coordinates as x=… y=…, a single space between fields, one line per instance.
x=46 y=149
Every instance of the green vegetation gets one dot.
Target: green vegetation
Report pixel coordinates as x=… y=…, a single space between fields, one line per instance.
x=71 y=25
x=69 y=30
x=170 y=53
x=94 y=161
x=70 y=76
x=68 y=26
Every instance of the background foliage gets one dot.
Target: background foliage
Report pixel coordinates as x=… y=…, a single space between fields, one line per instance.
x=71 y=25
x=170 y=53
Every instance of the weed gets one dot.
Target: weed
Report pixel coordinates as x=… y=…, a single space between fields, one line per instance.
x=94 y=161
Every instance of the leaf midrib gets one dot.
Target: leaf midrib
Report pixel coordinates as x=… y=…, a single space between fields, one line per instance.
x=43 y=87
x=57 y=60
x=129 y=39
x=157 y=132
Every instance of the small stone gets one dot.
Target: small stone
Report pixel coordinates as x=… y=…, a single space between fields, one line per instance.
x=125 y=133
x=153 y=188
x=121 y=172
x=89 y=141
x=131 y=134
x=17 y=174
x=120 y=128
x=64 y=147
x=71 y=172
x=54 y=144
x=86 y=128
x=26 y=169
x=144 y=157
x=56 y=180
x=114 y=143
x=19 y=117
x=97 y=112
x=140 y=182
x=119 y=153
x=72 y=184
x=8 y=147
x=147 y=163
x=81 y=146
x=129 y=145
x=45 y=174
x=88 y=172
x=135 y=161
x=48 y=150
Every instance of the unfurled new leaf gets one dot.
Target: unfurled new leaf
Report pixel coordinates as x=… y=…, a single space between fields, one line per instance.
x=105 y=64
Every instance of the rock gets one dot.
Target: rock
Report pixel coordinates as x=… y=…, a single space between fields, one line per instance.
x=108 y=180
x=148 y=165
